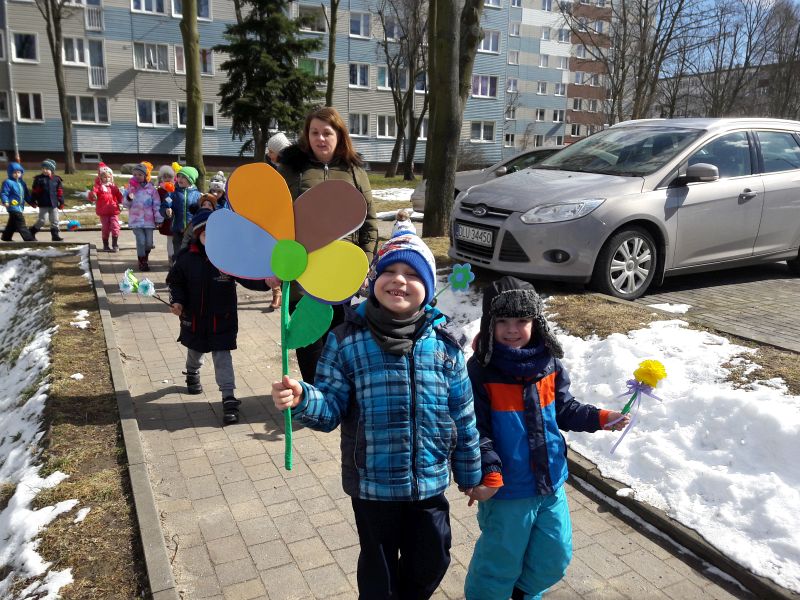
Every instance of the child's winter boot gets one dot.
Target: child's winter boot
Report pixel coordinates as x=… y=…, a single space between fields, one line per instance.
x=230 y=410
x=34 y=230
x=193 y=385
x=106 y=247
x=54 y=235
x=143 y=264
x=115 y=243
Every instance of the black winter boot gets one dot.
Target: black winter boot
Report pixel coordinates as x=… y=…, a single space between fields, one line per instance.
x=143 y=264
x=34 y=230
x=115 y=243
x=193 y=384
x=230 y=410
x=106 y=247
x=54 y=235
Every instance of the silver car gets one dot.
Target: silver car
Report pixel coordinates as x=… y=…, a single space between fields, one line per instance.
x=466 y=179
x=641 y=200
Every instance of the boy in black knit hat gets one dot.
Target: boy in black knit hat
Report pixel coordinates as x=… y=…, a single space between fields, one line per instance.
x=522 y=401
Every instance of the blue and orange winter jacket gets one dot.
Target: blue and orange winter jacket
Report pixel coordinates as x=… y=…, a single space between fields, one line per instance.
x=405 y=418
x=14 y=193
x=519 y=420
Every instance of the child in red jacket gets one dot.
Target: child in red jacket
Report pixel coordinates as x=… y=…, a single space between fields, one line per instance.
x=108 y=204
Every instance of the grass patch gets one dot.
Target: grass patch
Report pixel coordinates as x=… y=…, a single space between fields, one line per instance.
x=377 y=181
x=84 y=440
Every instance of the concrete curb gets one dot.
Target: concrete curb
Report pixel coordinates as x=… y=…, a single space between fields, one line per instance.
x=159 y=570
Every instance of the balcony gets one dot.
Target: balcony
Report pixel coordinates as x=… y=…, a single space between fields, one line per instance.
x=93 y=16
x=97 y=78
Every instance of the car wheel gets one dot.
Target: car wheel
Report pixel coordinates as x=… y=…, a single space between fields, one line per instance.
x=626 y=264
x=794 y=264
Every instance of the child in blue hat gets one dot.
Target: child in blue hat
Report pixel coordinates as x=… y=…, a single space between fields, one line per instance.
x=13 y=195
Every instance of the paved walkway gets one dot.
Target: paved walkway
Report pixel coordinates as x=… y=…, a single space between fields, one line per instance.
x=237 y=525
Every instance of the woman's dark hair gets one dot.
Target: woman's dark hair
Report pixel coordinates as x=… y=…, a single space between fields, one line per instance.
x=344 y=145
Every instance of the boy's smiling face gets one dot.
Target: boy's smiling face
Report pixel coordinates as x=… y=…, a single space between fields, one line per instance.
x=17 y=175
x=399 y=289
x=182 y=181
x=513 y=332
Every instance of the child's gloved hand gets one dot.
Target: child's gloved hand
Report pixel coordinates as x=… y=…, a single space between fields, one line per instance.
x=481 y=493
x=617 y=421
x=286 y=393
x=176 y=309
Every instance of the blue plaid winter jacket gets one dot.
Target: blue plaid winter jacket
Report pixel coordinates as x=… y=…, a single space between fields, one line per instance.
x=404 y=419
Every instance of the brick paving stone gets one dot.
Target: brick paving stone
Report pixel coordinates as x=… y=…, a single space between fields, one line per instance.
x=294 y=526
x=239 y=491
x=195 y=467
x=285 y=583
x=310 y=553
x=196 y=560
x=602 y=562
x=347 y=558
x=270 y=554
x=250 y=509
x=329 y=517
x=206 y=587
x=217 y=525
x=236 y=571
x=633 y=585
x=228 y=549
x=338 y=535
x=653 y=569
x=258 y=530
x=203 y=487
x=685 y=590
x=326 y=581
x=245 y=590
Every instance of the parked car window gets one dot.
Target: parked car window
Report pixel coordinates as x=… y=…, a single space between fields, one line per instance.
x=526 y=160
x=729 y=153
x=627 y=151
x=780 y=151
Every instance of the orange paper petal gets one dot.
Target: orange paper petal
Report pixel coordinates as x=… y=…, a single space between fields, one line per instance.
x=259 y=193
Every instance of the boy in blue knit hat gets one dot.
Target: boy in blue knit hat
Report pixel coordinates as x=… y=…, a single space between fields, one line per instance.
x=13 y=196
x=393 y=376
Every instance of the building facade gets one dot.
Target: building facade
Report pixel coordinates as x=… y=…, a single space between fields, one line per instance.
x=125 y=78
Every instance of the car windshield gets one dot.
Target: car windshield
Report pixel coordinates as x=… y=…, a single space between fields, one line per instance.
x=626 y=151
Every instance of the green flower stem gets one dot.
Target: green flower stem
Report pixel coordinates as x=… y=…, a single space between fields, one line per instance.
x=628 y=406
x=287 y=414
x=440 y=291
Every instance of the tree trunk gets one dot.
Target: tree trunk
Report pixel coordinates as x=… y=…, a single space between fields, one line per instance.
x=260 y=140
x=194 y=95
x=332 y=24
x=391 y=170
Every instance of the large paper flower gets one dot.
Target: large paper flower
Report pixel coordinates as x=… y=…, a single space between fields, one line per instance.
x=268 y=235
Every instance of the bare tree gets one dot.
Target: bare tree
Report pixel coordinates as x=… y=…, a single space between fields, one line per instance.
x=333 y=22
x=451 y=55
x=781 y=78
x=54 y=12
x=404 y=24
x=194 y=95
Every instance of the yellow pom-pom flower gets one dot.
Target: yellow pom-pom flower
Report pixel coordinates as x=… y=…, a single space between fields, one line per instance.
x=650 y=372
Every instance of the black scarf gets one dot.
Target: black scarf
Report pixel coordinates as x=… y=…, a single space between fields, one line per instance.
x=395 y=336
x=521 y=362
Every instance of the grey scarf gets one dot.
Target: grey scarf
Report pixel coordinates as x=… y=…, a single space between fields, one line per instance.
x=395 y=336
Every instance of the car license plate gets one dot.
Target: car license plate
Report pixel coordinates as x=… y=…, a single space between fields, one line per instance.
x=482 y=237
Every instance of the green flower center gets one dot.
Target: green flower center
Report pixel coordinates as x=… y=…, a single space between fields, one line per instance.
x=289 y=260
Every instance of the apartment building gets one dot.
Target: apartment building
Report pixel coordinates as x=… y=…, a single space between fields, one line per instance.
x=124 y=69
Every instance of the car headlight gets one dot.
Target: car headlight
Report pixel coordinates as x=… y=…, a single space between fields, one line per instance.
x=561 y=211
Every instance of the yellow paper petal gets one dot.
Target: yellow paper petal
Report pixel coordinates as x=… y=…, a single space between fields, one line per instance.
x=335 y=272
x=259 y=193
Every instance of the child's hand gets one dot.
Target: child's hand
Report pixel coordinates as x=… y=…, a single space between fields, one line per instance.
x=481 y=493
x=617 y=421
x=131 y=196
x=286 y=393
x=168 y=213
x=176 y=308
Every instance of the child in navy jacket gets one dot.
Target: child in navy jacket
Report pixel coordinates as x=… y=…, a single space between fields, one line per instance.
x=48 y=195
x=522 y=401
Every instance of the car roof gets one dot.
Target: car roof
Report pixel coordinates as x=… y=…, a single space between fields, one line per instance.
x=711 y=124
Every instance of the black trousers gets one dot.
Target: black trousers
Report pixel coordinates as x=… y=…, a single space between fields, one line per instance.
x=405 y=547
x=308 y=356
x=16 y=222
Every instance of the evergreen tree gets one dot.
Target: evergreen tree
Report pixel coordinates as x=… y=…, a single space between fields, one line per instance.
x=265 y=85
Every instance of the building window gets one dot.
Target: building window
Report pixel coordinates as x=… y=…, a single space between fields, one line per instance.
x=513 y=85
x=359 y=25
x=359 y=124
x=481 y=131
x=423 y=129
x=490 y=42
x=544 y=61
x=563 y=35
x=155 y=7
x=484 y=86
x=359 y=75
x=209 y=115
x=492 y=3
x=513 y=29
x=577 y=104
x=150 y=57
x=559 y=140
x=599 y=26
x=558 y=115
x=575 y=130
x=541 y=87
x=540 y=114
x=29 y=107
x=561 y=89
x=516 y=3
x=74 y=52
x=580 y=51
x=601 y=3
x=592 y=105
x=545 y=33
x=582 y=23
x=511 y=113
x=387 y=126
x=509 y=140
x=206 y=61
x=538 y=140
x=180 y=63
x=313 y=66
x=421 y=83
x=563 y=63
x=312 y=18
x=88 y=110
x=203 y=9
x=391 y=29
x=152 y=113
x=579 y=77
x=2 y=44
x=547 y=5
x=5 y=112
x=25 y=48
x=386 y=78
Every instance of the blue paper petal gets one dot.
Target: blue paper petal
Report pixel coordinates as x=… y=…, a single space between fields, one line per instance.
x=238 y=247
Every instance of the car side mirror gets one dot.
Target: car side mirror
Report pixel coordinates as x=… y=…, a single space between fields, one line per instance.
x=701 y=172
x=500 y=171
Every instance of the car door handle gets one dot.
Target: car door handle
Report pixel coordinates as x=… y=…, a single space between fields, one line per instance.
x=748 y=194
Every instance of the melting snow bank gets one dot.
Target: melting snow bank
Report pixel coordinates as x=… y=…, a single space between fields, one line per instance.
x=26 y=332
